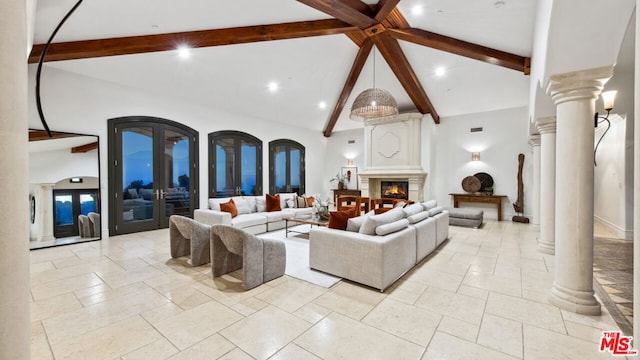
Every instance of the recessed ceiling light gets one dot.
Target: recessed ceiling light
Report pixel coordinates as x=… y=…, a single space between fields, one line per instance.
x=273 y=86
x=416 y=10
x=322 y=105
x=499 y=4
x=440 y=71
x=184 y=52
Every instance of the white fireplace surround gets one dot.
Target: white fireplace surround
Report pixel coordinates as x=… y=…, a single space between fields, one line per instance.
x=392 y=153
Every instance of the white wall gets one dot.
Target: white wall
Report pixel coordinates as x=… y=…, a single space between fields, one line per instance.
x=504 y=136
x=80 y=104
x=338 y=152
x=53 y=166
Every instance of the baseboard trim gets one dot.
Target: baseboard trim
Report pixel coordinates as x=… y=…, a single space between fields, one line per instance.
x=620 y=232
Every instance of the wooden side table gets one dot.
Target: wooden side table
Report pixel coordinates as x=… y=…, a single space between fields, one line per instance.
x=477 y=198
x=338 y=192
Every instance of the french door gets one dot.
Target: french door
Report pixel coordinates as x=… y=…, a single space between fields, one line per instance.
x=154 y=173
x=67 y=205
x=286 y=167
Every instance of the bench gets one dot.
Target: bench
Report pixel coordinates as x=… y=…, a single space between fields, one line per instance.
x=465 y=217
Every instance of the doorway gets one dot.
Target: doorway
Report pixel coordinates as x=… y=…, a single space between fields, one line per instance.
x=67 y=205
x=153 y=173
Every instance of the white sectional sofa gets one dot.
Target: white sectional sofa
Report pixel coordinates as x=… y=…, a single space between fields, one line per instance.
x=376 y=250
x=252 y=213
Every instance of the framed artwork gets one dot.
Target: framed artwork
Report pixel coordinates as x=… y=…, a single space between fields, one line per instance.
x=350 y=174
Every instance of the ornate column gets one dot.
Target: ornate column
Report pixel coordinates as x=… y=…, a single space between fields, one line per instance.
x=534 y=141
x=15 y=321
x=547 y=128
x=574 y=95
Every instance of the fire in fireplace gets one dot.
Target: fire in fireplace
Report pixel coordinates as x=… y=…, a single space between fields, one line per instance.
x=395 y=189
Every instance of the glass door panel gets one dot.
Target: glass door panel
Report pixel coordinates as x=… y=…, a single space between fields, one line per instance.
x=294 y=173
x=138 y=195
x=177 y=175
x=249 y=164
x=64 y=210
x=280 y=169
x=88 y=203
x=225 y=168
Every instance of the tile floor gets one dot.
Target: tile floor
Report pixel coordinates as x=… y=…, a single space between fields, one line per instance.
x=481 y=295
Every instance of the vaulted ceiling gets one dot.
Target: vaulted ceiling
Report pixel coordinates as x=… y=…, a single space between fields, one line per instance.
x=315 y=50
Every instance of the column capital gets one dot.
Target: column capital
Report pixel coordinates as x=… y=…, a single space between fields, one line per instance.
x=583 y=84
x=546 y=125
x=534 y=140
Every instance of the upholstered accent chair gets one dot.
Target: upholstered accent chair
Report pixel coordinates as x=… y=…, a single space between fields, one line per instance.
x=83 y=226
x=261 y=260
x=189 y=237
x=94 y=224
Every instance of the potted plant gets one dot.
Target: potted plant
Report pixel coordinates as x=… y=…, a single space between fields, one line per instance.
x=340 y=178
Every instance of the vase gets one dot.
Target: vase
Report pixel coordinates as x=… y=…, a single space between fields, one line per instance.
x=340 y=185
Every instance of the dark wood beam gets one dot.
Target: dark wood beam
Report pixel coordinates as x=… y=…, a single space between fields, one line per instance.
x=463 y=48
x=353 y=12
x=384 y=9
x=39 y=135
x=195 y=39
x=358 y=37
x=392 y=53
x=395 y=20
x=84 y=148
x=356 y=68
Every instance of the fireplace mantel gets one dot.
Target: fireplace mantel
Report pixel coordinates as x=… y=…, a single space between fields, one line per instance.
x=392 y=153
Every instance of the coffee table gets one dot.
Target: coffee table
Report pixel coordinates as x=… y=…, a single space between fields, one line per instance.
x=309 y=219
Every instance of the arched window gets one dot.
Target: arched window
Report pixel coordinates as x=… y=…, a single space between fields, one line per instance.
x=235 y=160
x=286 y=167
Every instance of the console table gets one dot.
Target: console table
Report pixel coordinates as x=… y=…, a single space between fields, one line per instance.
x=488 y=199
x=347 y=192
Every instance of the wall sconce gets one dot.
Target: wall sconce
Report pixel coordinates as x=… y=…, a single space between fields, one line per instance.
x=608 y=99
x=475 y=156
x=350 y=162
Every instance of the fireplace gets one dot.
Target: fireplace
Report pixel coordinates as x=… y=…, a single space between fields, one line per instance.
x=394 y=189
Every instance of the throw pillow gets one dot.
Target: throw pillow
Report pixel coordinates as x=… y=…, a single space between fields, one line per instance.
x=338 y=219
x=413 y=219
x=429 y=204
x=214 y=203
x=301 y=202
x=290 y=203
x=392 y=227
x=261 y=204
x=284 y=197
x=229 y=207
x=435 y=211
x=354 y=224
x=372 y=222
x=310 y=200
x=412 y=209
x=242 y=205
x=273 y=203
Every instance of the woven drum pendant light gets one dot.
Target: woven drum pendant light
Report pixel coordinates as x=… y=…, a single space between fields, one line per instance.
x=374 y=102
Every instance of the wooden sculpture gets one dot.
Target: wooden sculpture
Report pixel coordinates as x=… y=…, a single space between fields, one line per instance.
x=518 y=206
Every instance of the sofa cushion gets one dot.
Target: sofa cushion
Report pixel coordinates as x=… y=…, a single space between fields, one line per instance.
x=354 y=224
x=214 y=203
x=412 y=209
x=372 y=222
x=273 y=216
x=392 y=227
x=338 y=219
x=435 y=211
x=273 y=203
x=429 y=204
x=229 y=207
x=251 y=200
x=413 y=219
x=261 y=204
x=246 y=220
x=242 y=205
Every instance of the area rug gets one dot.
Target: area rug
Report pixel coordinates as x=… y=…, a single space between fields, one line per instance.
x=298 y=257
